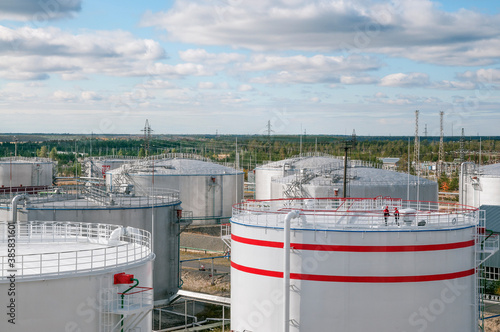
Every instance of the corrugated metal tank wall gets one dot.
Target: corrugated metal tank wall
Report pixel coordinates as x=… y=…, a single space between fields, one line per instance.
x=26 y=174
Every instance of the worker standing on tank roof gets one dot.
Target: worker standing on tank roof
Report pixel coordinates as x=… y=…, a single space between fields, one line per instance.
x=386 y=214
x=396 y=215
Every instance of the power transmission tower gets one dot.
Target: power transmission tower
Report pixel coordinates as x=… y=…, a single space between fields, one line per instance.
x=147 y=137
x=269 y=130
x=425 y=131
x=441 y=144
x=416 y=151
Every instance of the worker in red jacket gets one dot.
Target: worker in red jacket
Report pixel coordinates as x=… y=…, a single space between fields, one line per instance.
x=386 y=214
x=396 y=215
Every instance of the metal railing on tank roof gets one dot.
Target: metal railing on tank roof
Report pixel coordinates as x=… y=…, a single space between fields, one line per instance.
x=355 y=213
x=52 y=249
x=94 y=196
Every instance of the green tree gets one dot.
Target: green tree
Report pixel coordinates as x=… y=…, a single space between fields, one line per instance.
x=53 y=154
x=142 y=153
x=43 y=152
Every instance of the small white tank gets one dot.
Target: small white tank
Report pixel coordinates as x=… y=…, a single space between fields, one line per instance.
x=479 y=185
x=26 y=172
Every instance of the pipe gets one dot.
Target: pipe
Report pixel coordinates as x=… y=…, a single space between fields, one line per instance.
x=15 y=200
x=462 y=187
x=123 y=295
x=286 y=269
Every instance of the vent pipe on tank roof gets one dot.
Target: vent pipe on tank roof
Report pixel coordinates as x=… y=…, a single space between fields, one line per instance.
x=16 y=200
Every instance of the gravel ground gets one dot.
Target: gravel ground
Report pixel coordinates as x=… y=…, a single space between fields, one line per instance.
x=493 y=324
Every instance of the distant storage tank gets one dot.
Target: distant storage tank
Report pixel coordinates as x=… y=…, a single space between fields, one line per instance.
x=26 y=172
x=345 y=270
x=479 y=185
x=362 y=182
x=279 y=169
x=63 y=277
x=155 y=213
x=206 y=189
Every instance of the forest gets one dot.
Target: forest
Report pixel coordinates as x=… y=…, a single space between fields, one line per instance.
x=250 y=151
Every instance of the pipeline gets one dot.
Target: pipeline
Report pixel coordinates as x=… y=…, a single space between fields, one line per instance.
x=286 y=269
x=123 y=295
x=16 y=200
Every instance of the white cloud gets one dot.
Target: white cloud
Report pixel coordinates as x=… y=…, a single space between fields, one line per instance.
x=157 y=84
x=405 y=80
x=63 y=96
x=454 y=85
x=206 y=85
x=245 y=87
x=202 y=56
x=418 y=30
x=90 y=96
x=303 y=69
x=483 y=76
x=357 y=79
x=29 y=54
x=38 y=11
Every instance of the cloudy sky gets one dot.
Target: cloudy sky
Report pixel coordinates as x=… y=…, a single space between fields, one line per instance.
x=201 y=66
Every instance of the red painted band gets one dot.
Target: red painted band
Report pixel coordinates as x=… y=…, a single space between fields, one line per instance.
x=358 y=279
x=346 y=248
x=253 y=242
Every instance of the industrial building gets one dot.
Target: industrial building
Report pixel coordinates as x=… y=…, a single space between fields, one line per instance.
x=25 y=174
x=314 y=264
x=207 y=190
x=156 y=212
x=64 y=277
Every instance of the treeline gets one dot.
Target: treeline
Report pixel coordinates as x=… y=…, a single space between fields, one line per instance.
x=254 y=150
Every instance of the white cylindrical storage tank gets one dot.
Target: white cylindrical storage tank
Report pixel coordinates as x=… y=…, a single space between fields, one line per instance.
x=206 y=189
x=350 y=272
x=362 y=182
x=264 y=174
x=156 y=214
x=26 y=172
x=479 y=185
x=63 y=277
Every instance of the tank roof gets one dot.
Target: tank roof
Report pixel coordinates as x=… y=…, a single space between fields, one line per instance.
x=56 y=249
x=176 y=166
x=95 y=197
x=25 y=160
x=493 y=169
x=351 y=214
x=360 y=176
x=304 y=162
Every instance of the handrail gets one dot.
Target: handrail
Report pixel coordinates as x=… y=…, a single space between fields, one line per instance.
x=339 y=213
x=110 y=246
